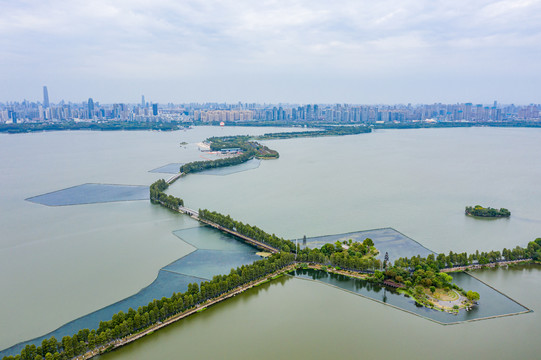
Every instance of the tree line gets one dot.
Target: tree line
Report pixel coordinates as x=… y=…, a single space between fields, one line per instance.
x=123 y=324
x=158 y=196
x=101 y=126
x=327 y=131
x=247 y=230
x=441 y=261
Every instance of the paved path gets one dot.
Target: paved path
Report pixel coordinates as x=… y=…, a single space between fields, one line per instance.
x=478 y=266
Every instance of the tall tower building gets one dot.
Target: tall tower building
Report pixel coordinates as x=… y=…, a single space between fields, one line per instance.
x=90 y=108
x=155 y=109
x=468 y=111
x=142 y=100
x=45 y=97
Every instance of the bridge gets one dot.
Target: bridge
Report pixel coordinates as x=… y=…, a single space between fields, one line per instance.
x=174 y=178
x=190 y=212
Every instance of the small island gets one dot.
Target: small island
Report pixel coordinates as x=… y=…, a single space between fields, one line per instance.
x=418 y=278
x=489 y=212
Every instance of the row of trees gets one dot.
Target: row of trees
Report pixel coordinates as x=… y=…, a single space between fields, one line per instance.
x=480 y=211
x=328 y=131
x=102 y=126
x=441 y=261
x=247 y=230
x=157 y=195
x=197 y=166
x=123 y=324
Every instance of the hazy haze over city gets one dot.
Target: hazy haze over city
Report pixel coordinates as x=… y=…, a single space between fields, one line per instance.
x=408 y=51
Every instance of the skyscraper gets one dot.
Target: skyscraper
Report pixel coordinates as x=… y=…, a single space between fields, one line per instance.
x=155 y=109
x=45 y=97
x=142 y=100
x=90 y=108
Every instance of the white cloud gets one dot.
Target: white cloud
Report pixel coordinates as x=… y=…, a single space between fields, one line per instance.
x=166 y=39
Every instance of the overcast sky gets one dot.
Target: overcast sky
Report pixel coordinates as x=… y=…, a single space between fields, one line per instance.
x=296 y=51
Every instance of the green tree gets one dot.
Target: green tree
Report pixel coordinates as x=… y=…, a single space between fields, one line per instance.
x=368 y=242
x=472 y=295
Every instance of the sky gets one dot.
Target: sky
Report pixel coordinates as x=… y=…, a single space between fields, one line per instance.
x=292 y=51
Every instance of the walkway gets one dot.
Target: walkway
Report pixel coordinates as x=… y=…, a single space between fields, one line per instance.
x=247 y=239
x=479 y=266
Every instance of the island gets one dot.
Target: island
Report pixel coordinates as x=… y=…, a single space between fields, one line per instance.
x=479 y=211
x=418 y=278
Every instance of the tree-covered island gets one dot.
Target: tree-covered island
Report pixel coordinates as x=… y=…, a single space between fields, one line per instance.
x=418 y=278
x=248 y=148
x=488 y=212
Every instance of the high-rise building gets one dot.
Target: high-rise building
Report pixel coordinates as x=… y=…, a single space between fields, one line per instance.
x=45 y=97
x=90 y=108
x=142 y=100
x=468 y=111
x=155 y=109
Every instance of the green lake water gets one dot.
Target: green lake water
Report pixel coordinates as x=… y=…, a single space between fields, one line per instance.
x=59 y=263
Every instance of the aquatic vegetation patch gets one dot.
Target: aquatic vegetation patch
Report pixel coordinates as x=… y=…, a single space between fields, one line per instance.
x=92 y=194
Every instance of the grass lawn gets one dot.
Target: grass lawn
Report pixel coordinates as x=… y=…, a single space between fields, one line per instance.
x=443 y=295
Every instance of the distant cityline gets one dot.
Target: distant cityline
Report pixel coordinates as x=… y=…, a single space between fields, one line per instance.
x=28 y=112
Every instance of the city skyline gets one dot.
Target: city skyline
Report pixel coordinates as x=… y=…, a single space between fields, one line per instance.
x=414 y=51
x=44 y=101
x=91 y=111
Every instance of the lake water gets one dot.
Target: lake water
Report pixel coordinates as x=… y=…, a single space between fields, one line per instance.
x=294 y=318
x=59 y=263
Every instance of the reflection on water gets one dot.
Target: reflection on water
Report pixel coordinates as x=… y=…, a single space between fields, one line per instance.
x=493 y=303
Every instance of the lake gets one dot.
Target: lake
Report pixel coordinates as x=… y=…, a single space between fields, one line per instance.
x=59 y=263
